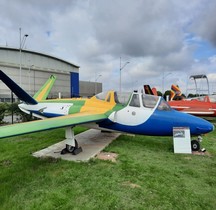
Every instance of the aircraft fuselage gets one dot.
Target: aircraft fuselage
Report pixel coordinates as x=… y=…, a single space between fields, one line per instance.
x=144 y=114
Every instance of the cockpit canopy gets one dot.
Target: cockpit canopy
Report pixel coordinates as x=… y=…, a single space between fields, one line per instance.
x=120 y=98
x=135 y=100
x=148 y=101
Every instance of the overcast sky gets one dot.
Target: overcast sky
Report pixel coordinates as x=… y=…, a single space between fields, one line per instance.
x=165 y=41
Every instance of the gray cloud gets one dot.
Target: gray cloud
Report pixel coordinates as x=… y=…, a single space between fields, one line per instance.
x=136 y=29
x=204 y=23
x=95 y=33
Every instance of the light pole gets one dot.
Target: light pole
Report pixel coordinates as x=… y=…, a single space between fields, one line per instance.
x=22 y=42
x=121 y=67
x=96 y=83
x=163 y=81
x=29 y=75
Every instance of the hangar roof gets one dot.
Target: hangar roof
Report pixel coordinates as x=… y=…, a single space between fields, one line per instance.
x=40 y=60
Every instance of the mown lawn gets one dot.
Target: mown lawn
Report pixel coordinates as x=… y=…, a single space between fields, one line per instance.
x=147 y=175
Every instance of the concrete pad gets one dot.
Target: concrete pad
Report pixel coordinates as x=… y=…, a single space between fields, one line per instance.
x=92 y=142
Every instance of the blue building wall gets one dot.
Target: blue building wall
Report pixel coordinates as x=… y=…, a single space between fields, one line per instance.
x=74 y=80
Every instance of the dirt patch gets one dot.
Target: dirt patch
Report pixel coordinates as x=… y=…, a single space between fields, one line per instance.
x=107 y=156
x=201 y=153
x=130 y=184
x=5 y=163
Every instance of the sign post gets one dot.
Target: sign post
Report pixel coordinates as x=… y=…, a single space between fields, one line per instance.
x=182 y=140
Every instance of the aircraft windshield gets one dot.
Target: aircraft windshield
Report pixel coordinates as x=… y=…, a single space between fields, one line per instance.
x=101 y=96
x=120 y=98
x=149 y=101
x=163 y=105
x=123 y=97
x=135 y=102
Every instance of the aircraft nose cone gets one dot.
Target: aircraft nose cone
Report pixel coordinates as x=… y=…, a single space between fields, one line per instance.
x=203 y=126
x=197 y=125
x=208 y=127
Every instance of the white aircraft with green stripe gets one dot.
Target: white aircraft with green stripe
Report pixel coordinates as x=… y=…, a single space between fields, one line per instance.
x=134 y=113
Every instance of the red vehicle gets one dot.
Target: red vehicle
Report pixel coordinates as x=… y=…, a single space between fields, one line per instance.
x=204 y=106
x=200 y=106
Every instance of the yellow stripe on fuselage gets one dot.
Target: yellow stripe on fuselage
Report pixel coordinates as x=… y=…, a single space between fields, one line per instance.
x=95 y=105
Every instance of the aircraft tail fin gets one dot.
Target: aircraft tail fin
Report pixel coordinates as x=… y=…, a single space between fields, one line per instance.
x=172 y=95
x=45 y=89
x=176 y=93
x=150 y=91
x=154 y=90
x=16 y=89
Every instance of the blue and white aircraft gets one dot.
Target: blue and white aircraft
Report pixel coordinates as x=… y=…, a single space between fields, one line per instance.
x=135 y=113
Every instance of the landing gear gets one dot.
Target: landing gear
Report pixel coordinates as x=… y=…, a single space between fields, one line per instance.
x=71 y=148
x=71 y=143
x=195 y=144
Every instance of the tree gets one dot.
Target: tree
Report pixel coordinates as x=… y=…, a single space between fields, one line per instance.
x=167 y=93
x=3 y=109
x=159 y=93
x=15 y=110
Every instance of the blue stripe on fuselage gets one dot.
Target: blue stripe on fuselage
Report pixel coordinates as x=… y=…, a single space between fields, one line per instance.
x=161 y=123
x=46 y=114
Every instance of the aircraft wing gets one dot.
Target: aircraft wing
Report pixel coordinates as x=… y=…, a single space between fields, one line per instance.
x=50 y=123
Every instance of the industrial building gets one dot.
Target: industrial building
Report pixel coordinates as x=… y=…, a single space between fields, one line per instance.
x=31 y=69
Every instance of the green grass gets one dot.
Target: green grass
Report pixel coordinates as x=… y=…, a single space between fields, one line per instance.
x=147 y=175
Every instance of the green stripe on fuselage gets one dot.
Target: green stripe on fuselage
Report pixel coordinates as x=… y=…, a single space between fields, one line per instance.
x=117 y=107
x=75 y=109
x=77 y=104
